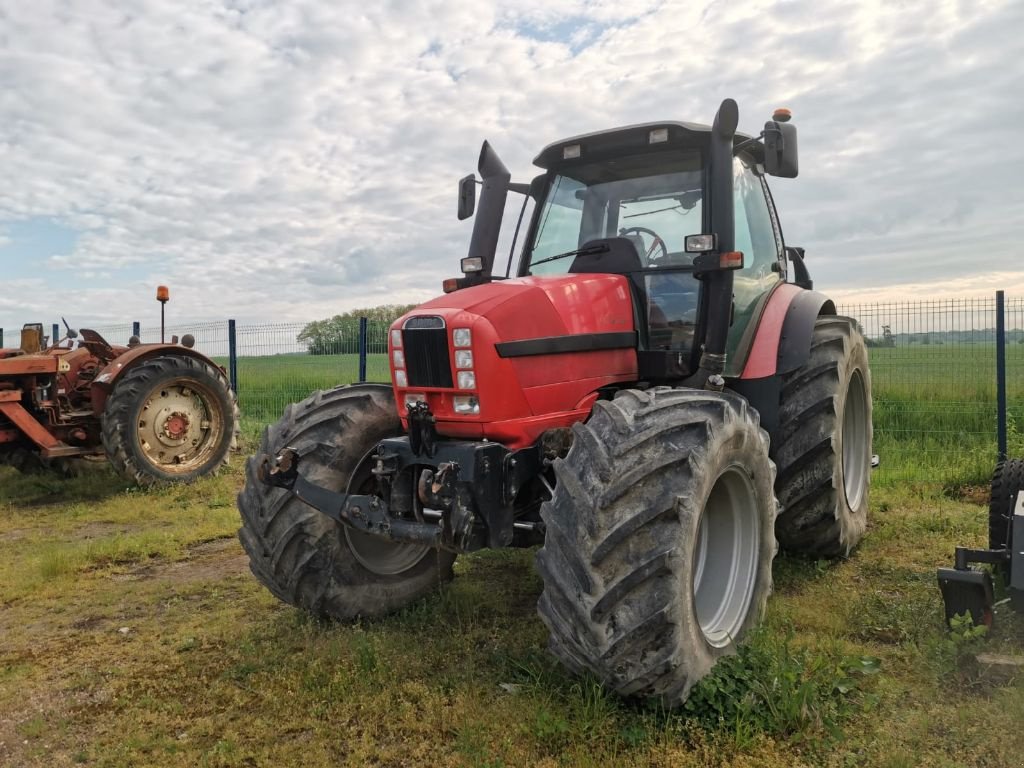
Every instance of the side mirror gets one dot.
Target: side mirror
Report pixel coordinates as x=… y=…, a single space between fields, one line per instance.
x=780 y=152
x=467 y=197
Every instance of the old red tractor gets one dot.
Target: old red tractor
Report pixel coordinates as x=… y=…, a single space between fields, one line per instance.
x=656 y=397
x=160 y=412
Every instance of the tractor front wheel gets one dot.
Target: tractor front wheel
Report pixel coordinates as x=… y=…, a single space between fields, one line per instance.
x=658 y=551
x=304 y=557
x=170 y=418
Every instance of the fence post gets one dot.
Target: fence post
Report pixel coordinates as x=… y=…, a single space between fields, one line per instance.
x=1001 y=375
x=1 y=338
x=232 y=357
x=362 y=349
x=136 y=329
x=56 y=333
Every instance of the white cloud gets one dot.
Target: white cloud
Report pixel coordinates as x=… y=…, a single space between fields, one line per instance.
x=287 y=161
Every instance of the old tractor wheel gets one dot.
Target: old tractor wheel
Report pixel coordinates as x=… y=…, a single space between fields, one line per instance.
x=170 y=418
x=1007 y=482
x=823 y=445
x=657 y=557
x=304 y=557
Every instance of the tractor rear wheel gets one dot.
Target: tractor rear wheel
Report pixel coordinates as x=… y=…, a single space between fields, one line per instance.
x=823 y=444
x=170 y=418
x=304 y=557
x=1007 y=482
x=658 y=551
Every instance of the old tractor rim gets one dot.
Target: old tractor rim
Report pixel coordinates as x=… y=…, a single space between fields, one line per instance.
x=180 y=426
x=856 y=450
x=727 y=558
x=375 y=553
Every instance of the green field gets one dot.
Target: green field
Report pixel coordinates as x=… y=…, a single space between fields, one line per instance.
x=935 y=405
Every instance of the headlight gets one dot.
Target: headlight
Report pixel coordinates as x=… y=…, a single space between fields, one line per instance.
x=466 y=404
x=467 y=380
x=398 y=358
x=396 y=339
x=415 y=397
x=400 y=379
x=462 y=337
x=463 y=358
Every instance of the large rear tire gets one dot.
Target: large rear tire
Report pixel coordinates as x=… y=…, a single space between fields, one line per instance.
x=823 y=444
x=170 y=418
x=660 y=537
x=304 y=557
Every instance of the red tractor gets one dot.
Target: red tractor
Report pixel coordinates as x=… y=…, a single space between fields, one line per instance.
x=160 y=412
x=657 y=398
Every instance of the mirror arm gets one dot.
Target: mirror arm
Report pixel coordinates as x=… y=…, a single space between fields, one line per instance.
x=744 y=144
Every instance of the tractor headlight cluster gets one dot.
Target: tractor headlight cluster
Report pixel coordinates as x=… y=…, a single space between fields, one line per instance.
x=398 y=359
x=466 y=378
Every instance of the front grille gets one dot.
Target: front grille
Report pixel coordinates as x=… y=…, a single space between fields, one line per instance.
x=426 y=357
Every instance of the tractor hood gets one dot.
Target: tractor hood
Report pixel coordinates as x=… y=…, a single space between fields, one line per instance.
x=541 y=307
x=541 y=349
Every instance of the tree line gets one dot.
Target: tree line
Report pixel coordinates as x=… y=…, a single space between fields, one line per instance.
x=340 y=333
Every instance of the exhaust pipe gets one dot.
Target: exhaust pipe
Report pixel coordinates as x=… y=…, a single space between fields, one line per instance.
x=487 y=224
x=720 y=282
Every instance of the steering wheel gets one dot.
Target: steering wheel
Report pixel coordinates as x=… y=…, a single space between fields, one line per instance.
x=656 y=243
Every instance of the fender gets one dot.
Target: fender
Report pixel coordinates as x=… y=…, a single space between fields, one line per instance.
x=782 y=343
x=105 y=380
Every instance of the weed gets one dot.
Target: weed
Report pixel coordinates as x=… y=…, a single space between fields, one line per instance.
x=774 y=687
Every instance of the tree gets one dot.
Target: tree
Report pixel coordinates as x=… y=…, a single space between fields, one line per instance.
x=340 y=334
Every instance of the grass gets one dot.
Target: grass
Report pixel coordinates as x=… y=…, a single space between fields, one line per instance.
x=134 y=635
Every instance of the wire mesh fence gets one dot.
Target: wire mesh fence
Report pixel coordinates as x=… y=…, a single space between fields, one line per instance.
x=933 y=367
x=933 y=370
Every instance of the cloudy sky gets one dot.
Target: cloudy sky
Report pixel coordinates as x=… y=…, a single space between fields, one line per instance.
x=289 y=160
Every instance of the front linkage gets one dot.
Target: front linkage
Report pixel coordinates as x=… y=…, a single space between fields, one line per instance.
x=467 y=488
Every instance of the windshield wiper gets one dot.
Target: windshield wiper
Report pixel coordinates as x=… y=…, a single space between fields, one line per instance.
x=587 y=249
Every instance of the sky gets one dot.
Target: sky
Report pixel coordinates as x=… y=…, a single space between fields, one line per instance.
x=286 y=161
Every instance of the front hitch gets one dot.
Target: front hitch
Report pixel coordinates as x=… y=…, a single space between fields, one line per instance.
x=364 y=513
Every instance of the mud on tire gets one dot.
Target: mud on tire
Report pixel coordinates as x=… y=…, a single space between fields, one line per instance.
x=822 y=447
x=660 y=538
x=304 y=557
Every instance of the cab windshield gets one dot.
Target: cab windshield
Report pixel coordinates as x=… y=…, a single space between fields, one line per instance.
x=654 y=199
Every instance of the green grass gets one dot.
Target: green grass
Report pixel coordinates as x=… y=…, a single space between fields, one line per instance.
x=133 y=635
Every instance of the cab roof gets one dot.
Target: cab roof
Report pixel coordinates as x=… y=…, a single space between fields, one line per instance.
x=631 y=139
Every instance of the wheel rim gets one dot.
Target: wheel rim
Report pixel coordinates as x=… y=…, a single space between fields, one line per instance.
x=375 y=553
x=180 y=426
x=855 y=441
x=727 y=557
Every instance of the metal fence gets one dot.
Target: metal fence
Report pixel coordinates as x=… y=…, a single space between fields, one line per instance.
x=934 y=373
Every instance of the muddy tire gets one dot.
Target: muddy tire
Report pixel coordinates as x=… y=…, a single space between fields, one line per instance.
x=658 y=552
x=304 y=557
x=170 y=418
x=822 y=447
x=1007 y=481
